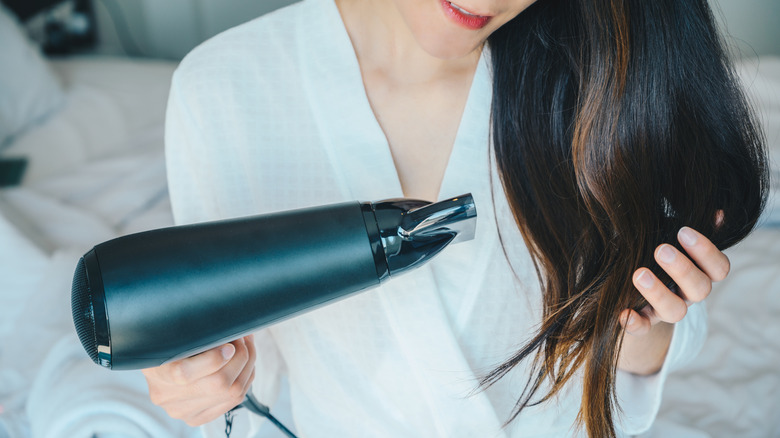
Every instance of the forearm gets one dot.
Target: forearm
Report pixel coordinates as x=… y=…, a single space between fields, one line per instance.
x=645 y=354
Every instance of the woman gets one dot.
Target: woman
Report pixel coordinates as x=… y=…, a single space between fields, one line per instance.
x=612 y=124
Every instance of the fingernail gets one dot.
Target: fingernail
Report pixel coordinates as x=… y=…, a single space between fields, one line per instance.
x=687 y=236
x=228 y=351
x=667 y=254
x=645 y=279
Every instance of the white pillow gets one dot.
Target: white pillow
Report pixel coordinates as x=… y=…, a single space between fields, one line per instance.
x=28 y=89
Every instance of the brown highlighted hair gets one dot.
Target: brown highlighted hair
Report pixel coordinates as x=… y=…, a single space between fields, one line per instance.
x=615 y=123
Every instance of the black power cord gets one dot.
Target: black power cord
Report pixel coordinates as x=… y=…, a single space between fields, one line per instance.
x=254 y=406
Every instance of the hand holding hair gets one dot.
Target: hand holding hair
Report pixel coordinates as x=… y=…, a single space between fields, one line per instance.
x=648 y=331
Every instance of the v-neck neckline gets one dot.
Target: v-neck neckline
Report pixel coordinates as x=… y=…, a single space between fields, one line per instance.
x=371 y=170
x=363 y=165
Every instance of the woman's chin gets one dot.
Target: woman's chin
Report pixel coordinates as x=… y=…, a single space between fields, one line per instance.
x=450 y=48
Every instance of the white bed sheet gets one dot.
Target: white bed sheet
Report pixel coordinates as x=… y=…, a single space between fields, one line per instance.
x=732 y=388
x=97 y=172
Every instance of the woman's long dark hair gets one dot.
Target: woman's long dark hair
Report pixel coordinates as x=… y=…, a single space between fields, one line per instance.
x=615 y=123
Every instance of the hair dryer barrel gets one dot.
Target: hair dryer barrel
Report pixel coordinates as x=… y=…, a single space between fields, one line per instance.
x=148 y=298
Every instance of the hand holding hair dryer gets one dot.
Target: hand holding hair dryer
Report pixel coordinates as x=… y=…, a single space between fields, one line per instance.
x=144 y=299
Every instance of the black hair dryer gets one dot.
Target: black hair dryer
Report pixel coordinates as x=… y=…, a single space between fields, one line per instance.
x=145 y=299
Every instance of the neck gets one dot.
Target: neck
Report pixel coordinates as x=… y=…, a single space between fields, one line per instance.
x=385 y=45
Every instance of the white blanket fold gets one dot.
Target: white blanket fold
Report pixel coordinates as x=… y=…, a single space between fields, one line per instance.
x=73 y=397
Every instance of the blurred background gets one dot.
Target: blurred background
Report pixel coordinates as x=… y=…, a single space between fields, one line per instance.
x=169 y=29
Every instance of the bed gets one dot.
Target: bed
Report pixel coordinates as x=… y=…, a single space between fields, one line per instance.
x=91 y=130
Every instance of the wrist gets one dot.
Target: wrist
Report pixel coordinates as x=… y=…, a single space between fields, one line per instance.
x=645 y=354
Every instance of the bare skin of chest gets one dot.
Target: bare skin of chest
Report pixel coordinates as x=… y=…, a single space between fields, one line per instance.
x=420 y=122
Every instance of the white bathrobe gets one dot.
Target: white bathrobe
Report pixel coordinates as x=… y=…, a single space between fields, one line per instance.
x=272 y=115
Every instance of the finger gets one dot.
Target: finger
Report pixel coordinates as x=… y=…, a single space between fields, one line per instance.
x=196 y=412
x=184 y=371
x=209 y=414
x=666 y=305
x=222 y=380
x=635 y=322
x=188 y=409
x=709 y=258
x=244 y=380
x=233 y=397
x=237 y=392
x=191 y=408
x=191 y=369
x=250 y=381
x=694 y=284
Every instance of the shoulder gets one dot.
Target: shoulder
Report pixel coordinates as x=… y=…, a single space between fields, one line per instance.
x=264 y=46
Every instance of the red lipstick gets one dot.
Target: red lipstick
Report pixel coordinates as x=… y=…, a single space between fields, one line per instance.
x=465 y=18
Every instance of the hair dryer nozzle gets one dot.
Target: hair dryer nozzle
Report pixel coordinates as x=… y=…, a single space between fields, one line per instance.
x=456 y=215
x=414 y=231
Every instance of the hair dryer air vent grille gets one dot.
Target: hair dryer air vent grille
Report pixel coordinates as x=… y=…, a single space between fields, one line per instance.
x=83 y=313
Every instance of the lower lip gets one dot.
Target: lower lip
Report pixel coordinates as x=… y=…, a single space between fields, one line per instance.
x=473 y=22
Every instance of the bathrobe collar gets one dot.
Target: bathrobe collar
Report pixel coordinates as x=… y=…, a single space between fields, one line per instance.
x=361 y=157
x=356 y=143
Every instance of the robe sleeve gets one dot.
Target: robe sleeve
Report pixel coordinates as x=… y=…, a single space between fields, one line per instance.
x=195 y=166
x=640 y=396
x=190 y=161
